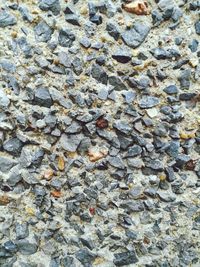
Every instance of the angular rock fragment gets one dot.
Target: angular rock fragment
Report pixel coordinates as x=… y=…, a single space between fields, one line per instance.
x=52 y=5
x=43 y=32
x=70 y=143
x=99 y=74
x=136 y=35
x=6 y=19
x=125 y=258
x=43 y=97
x=66 y=38
x=148 y=102
x=122 y=56
x=13 y=146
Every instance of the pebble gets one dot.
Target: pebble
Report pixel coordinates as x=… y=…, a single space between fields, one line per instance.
x=171 y=89
x=43 y=97
x=13 y=146
x=197 y=27
x=7 y=19
x=122 y=56
x=125 y=258
x=26 y=248
x=53 y=6
x=66 y=38
x=42 y=32
x=148 y=102
x=135 y=36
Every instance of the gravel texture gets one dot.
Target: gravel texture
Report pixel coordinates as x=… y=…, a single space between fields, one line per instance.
x=99 y=133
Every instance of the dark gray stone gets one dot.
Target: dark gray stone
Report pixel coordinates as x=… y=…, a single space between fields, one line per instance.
x=13 y=146
x=142 y=83
x=116 y=162
x=72 y=19
x=113 y=30
x=156 y=165
x=99 y=74
x=68 y=261
x=197 y=27
x=134 y=151
x=148 y=102
x=187 y=96
x=132 y=206
x=122 y=55
x=26 y=248
x=6 y=19
x=193 y=46
x=166 y=196
x=52 y=5
x=171 y=89
x=173 y=149
x=43 y=97
x=66 y=38
x=184 y=79
x=181 y=159
x=136 y=35
x=10 y=246
x=85 y=256
x=117 y=83
x=125 y=258
x=43 y=32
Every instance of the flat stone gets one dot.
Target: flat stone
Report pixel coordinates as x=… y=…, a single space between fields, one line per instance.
x=66 y=38
x=70 y=142
x=43 y=32
x=13 y=146
x=166 y=196
x=122 y=126
x=148 y=102
x=50 y=5
x=26 y=248
x=125 y=258
x=85 y=256
x=43 y=97
x=117 y=83
x=122 y=56
x=135 y=36
x=7 y=19
x=171 y=89
x=134 y=151
x=116 y=162
x=6 y=164
x=58 y=97
x=132 y=206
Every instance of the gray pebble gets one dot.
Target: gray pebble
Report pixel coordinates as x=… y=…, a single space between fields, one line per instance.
x=6 y=19
x=136 y=35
